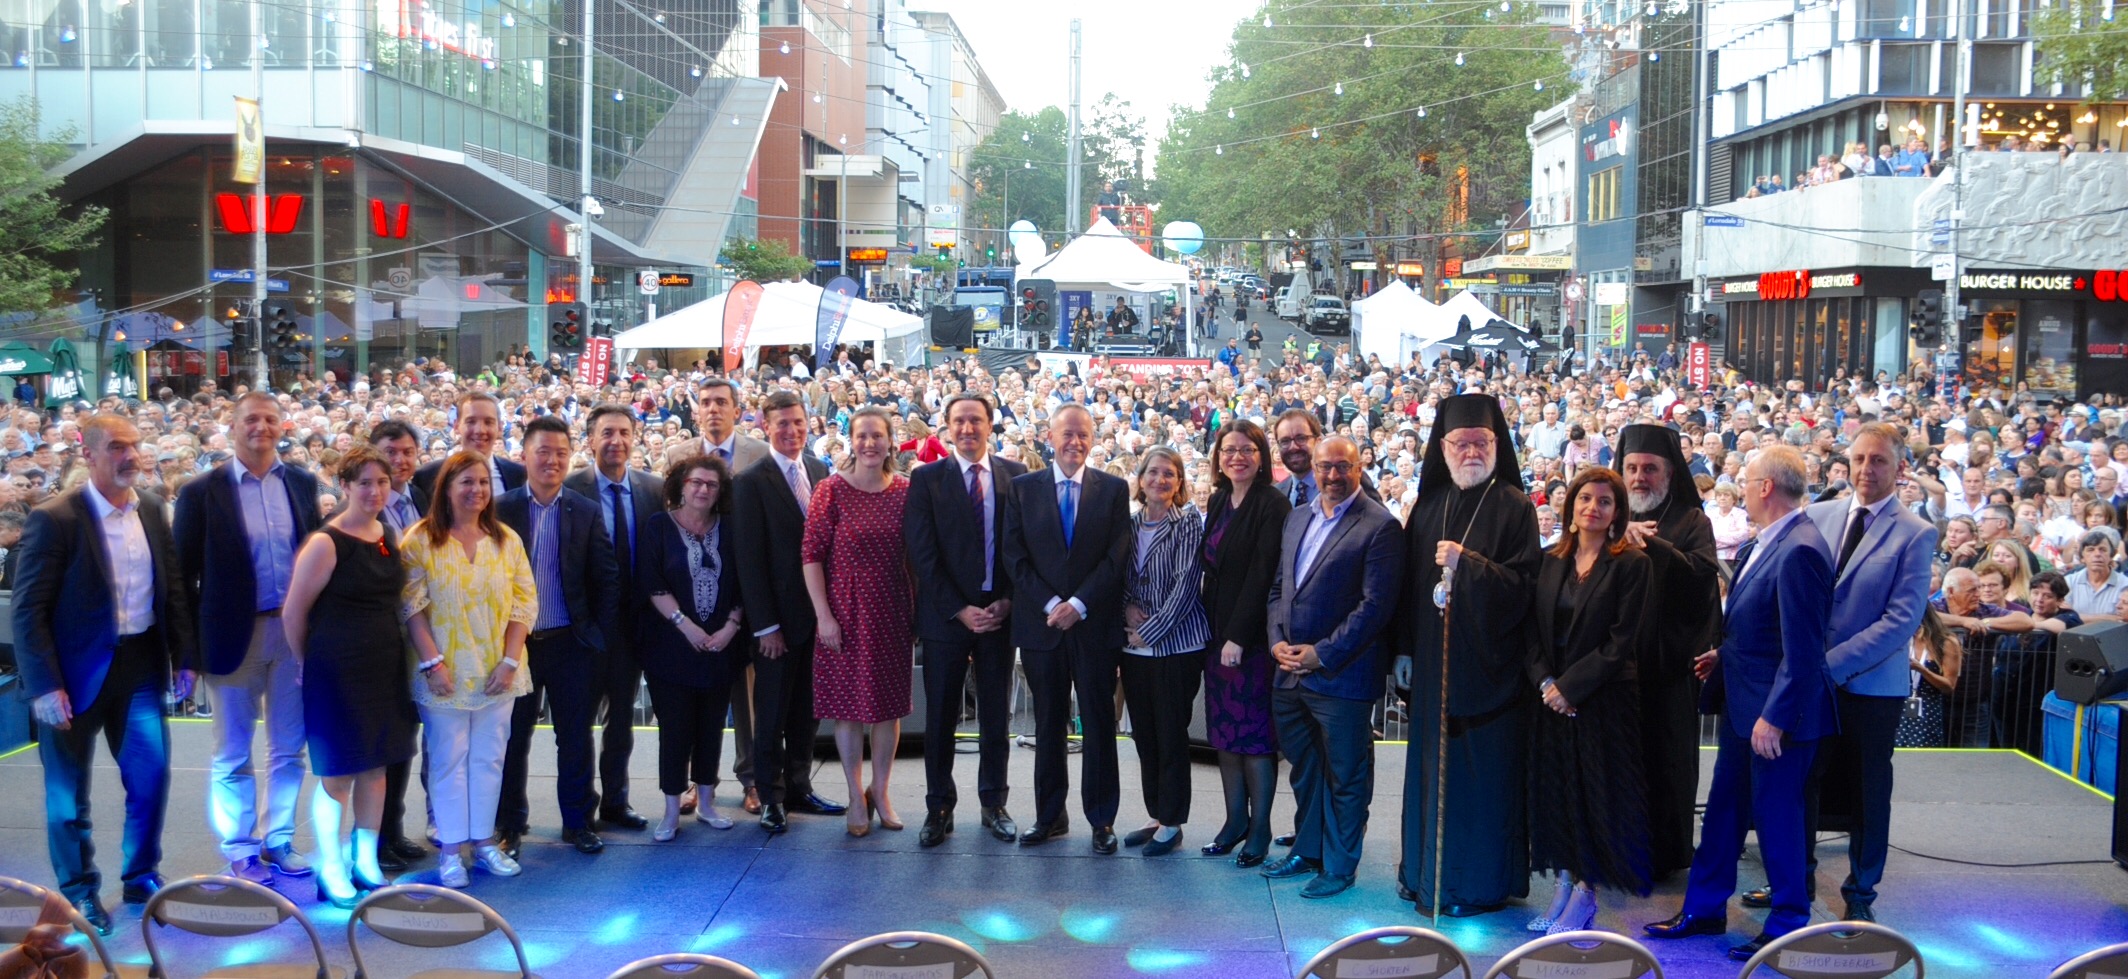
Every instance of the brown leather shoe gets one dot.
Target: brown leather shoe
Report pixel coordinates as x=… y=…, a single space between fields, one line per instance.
x=687 y=802
x=753 y=801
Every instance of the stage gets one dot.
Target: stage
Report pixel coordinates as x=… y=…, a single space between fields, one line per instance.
x=781 y=904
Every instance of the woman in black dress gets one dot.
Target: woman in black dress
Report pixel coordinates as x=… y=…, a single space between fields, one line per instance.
x=1243 y=524
x=1588 y=793
x=690 y=577
x=342 y=620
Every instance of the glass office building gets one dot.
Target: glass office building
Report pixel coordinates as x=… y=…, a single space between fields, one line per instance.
x=422 y=167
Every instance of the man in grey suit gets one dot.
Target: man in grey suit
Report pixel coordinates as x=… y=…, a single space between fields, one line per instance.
x=627 y=500
x=1881 y=562
x=1339 y=570
x=717 y=415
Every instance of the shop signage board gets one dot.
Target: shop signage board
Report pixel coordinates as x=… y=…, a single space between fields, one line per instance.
x=1612 y=293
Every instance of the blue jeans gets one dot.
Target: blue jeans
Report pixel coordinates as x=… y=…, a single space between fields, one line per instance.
x=128 y=712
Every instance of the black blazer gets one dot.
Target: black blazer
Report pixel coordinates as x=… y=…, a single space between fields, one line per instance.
x=666 y=655
x=214 y=557
x=1237 y=587
x=65 y=616
x=1091 y=569
x=942 y=532
x=646 y=499
x=424 y=481
x=1605 y=634
x=589 y=580
x=770 y=528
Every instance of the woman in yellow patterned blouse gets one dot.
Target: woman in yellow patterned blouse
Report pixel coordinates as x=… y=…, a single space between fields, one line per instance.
x=469 y=603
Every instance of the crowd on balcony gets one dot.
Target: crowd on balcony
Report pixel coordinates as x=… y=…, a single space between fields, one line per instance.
x=1915 y=159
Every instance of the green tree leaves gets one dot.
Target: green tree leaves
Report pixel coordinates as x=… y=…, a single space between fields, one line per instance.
x=34 y=226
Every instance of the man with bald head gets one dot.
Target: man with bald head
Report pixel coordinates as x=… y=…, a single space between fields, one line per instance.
x=1340 y=564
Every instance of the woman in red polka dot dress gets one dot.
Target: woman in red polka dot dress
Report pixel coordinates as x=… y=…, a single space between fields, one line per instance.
x=858 y=576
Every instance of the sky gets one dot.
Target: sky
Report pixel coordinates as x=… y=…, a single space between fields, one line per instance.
x=1151 y=53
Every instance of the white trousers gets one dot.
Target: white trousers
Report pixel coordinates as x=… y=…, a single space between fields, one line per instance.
x=465 y=753
x=270 y=674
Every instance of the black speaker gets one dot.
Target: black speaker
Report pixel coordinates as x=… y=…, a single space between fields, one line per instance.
x=2091 y=662
x=952 y=327
x=2120 y=808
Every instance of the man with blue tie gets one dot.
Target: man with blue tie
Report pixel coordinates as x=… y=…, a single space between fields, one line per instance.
x=1881 y=584
x=238 y=528
x=627 y=499
x=574 y=576
x=1776 y=701
x=101 y=629
x=951 y=525
x=1067 y=546
x=401 y=449
x=1340 y=567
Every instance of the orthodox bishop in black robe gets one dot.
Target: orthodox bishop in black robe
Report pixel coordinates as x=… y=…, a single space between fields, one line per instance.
x=1471 y=512
x=1684 y=609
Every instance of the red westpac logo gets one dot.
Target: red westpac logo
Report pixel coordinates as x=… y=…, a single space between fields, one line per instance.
x=240 y=213
x=387 y=223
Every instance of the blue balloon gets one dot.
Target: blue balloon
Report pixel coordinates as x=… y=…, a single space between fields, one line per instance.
x=1183 y=237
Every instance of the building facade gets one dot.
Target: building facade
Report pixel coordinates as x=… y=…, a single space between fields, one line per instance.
x=421 y=168
x=965 y=108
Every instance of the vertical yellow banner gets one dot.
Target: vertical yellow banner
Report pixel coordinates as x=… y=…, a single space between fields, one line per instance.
x=250 y=142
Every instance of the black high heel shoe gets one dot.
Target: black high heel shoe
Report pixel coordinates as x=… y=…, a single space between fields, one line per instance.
x=1221 y=845
x=1245 y=859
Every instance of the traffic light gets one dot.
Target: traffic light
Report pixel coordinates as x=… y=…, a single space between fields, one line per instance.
x=1037 y=298
x=1926 y=327
x=1710 y=327
x=280 y=327
x=566 y=331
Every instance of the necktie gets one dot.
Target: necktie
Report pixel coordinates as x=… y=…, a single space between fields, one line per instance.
x=623 y=534
x=797 y=479
x=975 y=488
x=1068 y=509
x=724 y=454
x=1300 y=493
x=1857 y=525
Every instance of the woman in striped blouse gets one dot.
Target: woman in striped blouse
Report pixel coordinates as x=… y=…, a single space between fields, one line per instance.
x=1167 y=632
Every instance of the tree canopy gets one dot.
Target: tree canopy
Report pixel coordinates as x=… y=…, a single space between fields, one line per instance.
x=2079 y=41
x=1024 y=158
x=35 y=227
x=763 y=260
x=1364 y=119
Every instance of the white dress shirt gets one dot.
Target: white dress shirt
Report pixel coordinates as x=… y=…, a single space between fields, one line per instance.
x=1077 y=482
x=132 y=577
x=1771 y=532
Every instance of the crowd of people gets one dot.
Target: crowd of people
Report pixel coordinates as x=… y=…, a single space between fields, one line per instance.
x=1912 y=159
x=1554 y=571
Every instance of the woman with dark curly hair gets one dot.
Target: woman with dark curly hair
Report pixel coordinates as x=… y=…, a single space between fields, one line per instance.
x=1588 y=798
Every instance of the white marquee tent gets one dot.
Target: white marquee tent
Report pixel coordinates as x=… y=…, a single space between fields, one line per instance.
x=1465 y=304
x=1397 y=322
x=1102 y=258
x=788 y=316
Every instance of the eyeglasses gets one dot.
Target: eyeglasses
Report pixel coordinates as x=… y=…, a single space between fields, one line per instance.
x=1470 y=445
x=1334 y=468
x=1296 y=442
x=1239 y=452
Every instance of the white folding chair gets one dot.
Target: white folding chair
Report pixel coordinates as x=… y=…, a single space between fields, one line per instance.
x=1837 y=950
x=22 y=905
x=2095 y=964
x=225 y=907
x=1590 y=952
x=905 y=950
x=1397 y=950
x=684 y=965
x=426 y=916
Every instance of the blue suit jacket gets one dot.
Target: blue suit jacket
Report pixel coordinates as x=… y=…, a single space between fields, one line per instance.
x=214 y=557
x=66 y=618
x=1877 y=601
x=590 y=580
x=1773 y=659
x=1347 y=598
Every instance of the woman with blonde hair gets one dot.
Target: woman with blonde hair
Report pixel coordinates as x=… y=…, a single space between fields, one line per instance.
x=469 y=603
x=1166 y=633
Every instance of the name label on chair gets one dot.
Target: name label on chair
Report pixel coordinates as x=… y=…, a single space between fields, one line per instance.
x=220 y=914
x=1574 y=970
x=434 y=922
x=942 y=970
x=19 y=915
x=1417 y=965
x=1876 y=963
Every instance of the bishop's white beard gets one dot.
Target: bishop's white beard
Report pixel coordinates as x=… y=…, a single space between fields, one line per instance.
x=1646 y=502
x=1469 y=475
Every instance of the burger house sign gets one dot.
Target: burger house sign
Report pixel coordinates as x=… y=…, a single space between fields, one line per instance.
x=1793 y=284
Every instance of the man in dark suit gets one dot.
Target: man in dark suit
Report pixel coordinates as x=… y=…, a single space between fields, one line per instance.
x=1776 y=700
x=1881 y=571
x=1294 y=436
x=100 y=624
x=768 y=506
x=717 y=415
x=478 y=428
x=1340 y=566
x=951 y=524
x=575 y=577
x=402 y=453
x=627 y=499
x=238 y=529
x=1067 y=547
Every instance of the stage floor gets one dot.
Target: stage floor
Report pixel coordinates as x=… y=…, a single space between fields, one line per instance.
x=782 y=904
